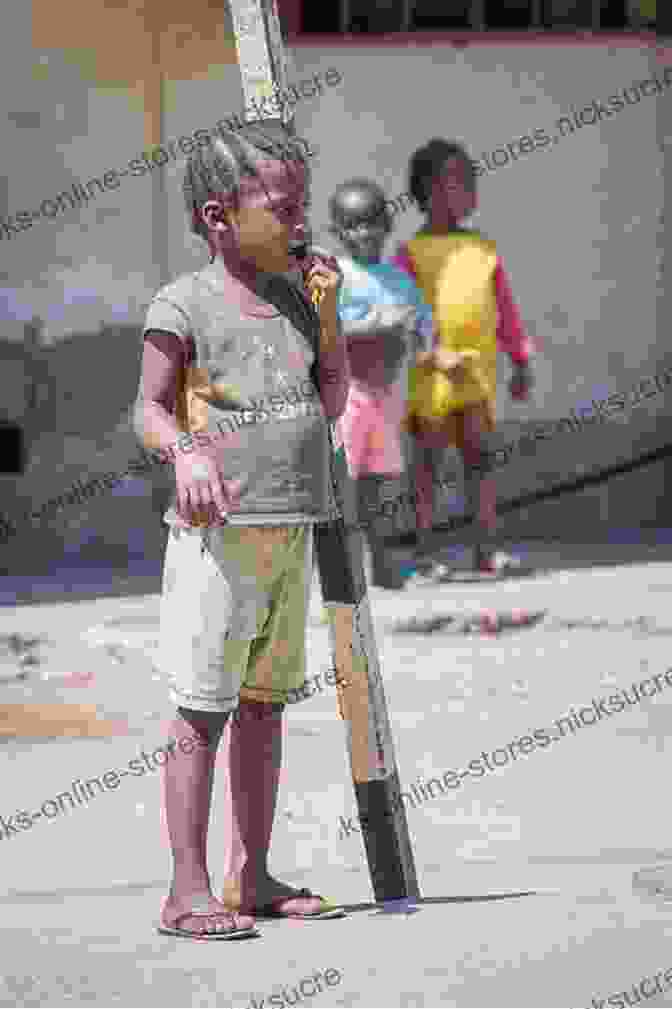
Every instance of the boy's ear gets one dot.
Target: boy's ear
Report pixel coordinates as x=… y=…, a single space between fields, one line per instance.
x=216 y=215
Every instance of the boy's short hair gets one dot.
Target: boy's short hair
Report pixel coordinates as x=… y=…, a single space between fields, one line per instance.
x=368 y=188
x=428 y=161
x=217 y=169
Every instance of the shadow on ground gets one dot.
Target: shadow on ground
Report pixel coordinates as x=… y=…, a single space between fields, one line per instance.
x=140 y=576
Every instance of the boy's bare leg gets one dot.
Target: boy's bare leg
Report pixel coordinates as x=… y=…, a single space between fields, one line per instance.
x=188 y=782
x=428 y=443
x=385 y=572
x=481 y=495
x=487 y=510
x=423 y=473
x=254 y=742
x=480 y=491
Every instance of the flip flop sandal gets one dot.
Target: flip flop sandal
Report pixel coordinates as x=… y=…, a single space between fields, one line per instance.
x=273 y=910
x=434 y=574
x=201 y=910
x=502 y=565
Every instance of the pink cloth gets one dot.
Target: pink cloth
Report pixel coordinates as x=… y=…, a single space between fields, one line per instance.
x=511 y=336
x=371 y=430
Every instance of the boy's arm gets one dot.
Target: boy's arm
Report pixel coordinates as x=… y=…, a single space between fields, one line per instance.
x=167 y=350
x=511 y=336
x=333 y=366
x=426 y=331
x=201 y=497
x=403 y=261
x=163 y=361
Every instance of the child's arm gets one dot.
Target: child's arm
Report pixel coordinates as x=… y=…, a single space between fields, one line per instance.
x=403 y=261
x=201 y=493
x=511 y=336
x=163 y=363
x=427 y=333
x=324 y=278
x=333 y=370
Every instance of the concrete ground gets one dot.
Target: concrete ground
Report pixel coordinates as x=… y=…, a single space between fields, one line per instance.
x=544 y=883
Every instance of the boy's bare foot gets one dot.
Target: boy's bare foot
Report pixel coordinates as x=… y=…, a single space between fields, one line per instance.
x=201 y=916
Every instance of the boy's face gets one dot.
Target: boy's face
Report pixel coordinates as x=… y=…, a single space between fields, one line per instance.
x=365 y=240
x=362 y=225
x=270 y=213
x=452 y=197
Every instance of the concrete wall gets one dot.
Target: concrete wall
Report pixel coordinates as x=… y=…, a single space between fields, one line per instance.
x=577 y=222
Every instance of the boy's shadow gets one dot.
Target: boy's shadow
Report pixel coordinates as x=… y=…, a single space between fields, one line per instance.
x=411 y=905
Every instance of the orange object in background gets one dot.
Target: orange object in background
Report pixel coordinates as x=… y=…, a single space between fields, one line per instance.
x=137 y=45
x=47 y=721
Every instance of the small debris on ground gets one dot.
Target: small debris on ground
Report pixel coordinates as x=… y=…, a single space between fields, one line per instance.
x=487 y=622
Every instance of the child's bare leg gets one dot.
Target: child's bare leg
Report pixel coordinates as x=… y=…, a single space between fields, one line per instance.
x=480 y=487
x=480 y=490
x=423 y=471
x=370 y=509
x=254 y=742
x=482 y=498
x=188 y=781
x=487 y=515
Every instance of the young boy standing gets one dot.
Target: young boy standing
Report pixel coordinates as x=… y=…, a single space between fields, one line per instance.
x=453 y=392
x=385 y=321
x=225 y=351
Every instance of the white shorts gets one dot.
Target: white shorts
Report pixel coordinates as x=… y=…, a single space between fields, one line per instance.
x=234 y=610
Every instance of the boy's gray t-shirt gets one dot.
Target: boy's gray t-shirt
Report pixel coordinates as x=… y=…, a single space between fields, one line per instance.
x=267 y=416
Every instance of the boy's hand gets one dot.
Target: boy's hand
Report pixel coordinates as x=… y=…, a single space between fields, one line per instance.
x=451 y=363
x=203 y=498
x=324 y=277
x=521 y=382
x=424 y=359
